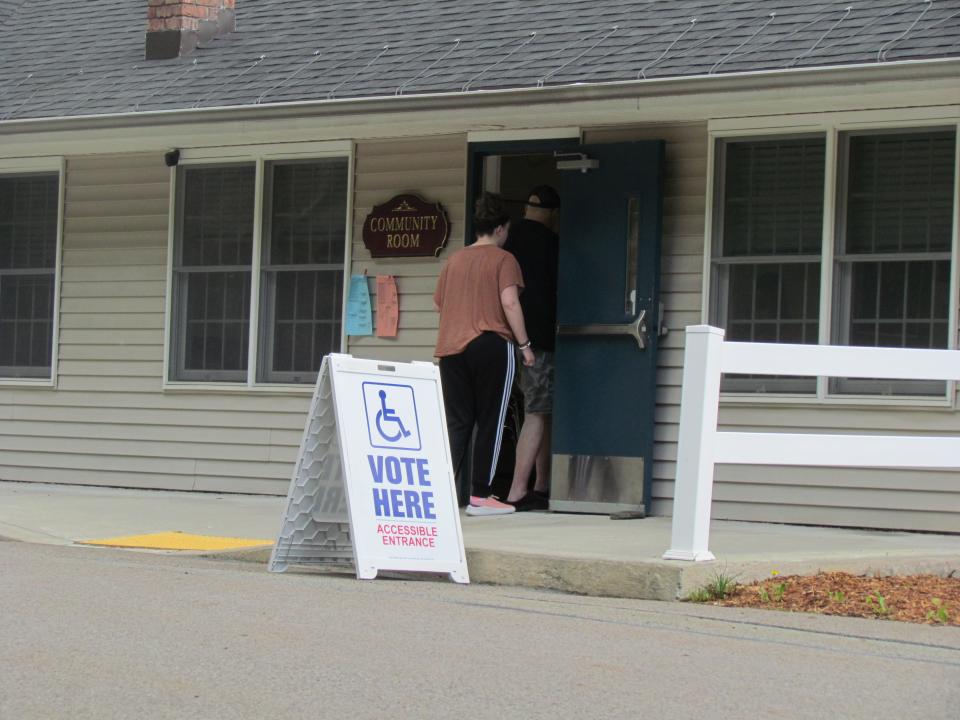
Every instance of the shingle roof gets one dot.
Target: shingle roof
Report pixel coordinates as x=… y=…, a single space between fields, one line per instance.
x=8 y=9
x=85 y=57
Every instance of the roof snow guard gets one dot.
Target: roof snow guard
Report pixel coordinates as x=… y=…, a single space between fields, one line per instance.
x=91 y=61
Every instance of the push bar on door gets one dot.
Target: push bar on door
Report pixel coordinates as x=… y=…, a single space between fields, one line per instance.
x=637 y=329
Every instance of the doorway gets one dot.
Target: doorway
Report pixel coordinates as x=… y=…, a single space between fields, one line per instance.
x=512 y=176
x=608 y=309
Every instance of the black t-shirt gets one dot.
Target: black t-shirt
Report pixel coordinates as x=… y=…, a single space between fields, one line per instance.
x=536 y=248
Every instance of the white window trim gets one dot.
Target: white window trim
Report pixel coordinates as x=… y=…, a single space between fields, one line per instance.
x=259 y=155
x=15 y=166
x=830 y=125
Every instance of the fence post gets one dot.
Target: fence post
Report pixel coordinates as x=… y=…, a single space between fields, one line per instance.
x=699 y=399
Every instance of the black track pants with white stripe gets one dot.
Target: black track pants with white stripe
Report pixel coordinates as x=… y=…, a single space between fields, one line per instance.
x=476 y=389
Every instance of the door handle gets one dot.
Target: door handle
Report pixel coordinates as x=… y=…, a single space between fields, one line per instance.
x=637 y=329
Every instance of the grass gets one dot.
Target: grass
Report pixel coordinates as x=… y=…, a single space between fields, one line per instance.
x=718 y=588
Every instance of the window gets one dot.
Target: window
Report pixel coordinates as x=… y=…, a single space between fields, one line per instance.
x=890 y=257
x=893 y=248
x=212 y=268
x=29 y=215
x=767 y=254
x=299 y=266
x=303 y=257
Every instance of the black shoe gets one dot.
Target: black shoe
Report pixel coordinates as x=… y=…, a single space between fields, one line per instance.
x=532 y=501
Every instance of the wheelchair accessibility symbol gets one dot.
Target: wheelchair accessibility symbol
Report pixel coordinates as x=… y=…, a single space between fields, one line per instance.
x=388 y=416
x=391 y=412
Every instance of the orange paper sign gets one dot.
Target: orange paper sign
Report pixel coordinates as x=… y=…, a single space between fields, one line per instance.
x=388 y=306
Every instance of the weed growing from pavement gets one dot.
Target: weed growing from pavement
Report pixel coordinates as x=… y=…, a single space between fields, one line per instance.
x=721 y=585
x=700 y=595
x=718 y=588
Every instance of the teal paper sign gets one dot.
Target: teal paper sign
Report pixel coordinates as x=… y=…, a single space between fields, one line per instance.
x=359 y=314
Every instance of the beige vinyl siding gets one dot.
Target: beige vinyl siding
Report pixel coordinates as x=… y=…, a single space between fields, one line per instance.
x=912 y=499
x=435 y=168
x=109 y=422
x=681 y=282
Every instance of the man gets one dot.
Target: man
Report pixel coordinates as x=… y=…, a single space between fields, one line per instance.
x=534 y=242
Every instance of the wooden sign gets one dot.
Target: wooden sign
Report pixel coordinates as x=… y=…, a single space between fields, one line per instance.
x=406 y=226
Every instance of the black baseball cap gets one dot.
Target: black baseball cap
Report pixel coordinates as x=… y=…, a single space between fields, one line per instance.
x=549 y=199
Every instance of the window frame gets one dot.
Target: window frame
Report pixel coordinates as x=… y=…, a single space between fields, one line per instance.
x=268 y=334
x=833 y=126
x=843 y=279
x=259 y=155
x=180 y=297
x=52 y=166
x=719 y=283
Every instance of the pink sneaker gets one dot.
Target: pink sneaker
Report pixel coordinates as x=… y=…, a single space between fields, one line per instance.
x=488 y=506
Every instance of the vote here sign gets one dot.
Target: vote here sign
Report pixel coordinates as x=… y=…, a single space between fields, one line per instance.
x=396 y=464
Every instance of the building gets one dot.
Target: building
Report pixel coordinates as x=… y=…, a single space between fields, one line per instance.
x=182 y=199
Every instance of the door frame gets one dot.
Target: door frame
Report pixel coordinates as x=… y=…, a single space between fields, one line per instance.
x=477 y=151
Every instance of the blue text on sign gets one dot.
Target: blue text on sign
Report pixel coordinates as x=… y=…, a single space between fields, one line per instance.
x=397 y=503
x=397 y=469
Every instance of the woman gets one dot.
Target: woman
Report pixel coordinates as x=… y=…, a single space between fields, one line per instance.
x=478 y=298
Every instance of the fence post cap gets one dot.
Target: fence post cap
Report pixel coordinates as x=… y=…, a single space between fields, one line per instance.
x=703 y=329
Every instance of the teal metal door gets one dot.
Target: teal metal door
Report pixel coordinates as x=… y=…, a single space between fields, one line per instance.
x=608 y=315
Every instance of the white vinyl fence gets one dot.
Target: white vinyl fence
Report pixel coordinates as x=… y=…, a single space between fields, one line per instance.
x=701 y=446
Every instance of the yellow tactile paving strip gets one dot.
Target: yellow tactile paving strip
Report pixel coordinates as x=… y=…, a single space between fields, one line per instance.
x=178 y=541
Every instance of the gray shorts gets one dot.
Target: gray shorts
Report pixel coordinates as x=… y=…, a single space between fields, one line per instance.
x=536 y=382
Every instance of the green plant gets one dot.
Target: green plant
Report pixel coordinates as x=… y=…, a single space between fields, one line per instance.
x=940 y=613
x=721 y=586
x=837 y=596
x=700 y=595
x=778 y=591
x=718 y=588
x=878 y=603
x=764 y=595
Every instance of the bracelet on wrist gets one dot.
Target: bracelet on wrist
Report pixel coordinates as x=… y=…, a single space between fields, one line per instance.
x=524 y=346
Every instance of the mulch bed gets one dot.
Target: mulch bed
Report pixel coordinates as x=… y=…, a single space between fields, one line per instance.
x=911 y=598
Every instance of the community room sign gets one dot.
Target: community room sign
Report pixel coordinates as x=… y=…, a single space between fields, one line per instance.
x=374 y=483
x=406 y=226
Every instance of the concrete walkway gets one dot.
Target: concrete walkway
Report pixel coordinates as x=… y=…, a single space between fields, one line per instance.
x=582 y=554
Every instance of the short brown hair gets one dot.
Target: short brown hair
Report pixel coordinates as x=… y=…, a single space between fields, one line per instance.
x=489 y=214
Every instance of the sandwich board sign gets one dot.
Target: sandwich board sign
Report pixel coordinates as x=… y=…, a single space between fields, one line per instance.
x=373 y=484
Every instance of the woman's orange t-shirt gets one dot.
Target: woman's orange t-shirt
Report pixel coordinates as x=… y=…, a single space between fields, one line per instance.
x=468 y=295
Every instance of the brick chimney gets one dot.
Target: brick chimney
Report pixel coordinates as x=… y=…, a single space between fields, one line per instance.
x=176 y=27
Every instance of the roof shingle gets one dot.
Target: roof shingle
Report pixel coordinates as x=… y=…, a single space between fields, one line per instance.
x=67 y=58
